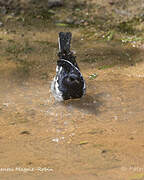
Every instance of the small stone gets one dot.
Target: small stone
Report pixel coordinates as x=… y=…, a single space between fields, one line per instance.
x=1 y=24
x=29 y=163
x=25 y=132
x=104 y=151
x=70 y=20
x=6 y=104
x=3 y=10
x=111 y=2
x=55 y=3
x=131 y=138
x=55 y=140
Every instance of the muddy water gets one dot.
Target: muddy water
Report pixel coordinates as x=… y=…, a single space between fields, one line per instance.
x=98 y=137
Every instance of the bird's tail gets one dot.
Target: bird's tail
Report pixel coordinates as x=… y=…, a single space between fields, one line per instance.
x=64 y=48
x=64 y=42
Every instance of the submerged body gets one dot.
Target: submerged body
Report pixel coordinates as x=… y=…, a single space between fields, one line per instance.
x=68 y=82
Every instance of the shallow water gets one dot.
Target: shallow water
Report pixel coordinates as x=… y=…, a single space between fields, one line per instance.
x=98 y=137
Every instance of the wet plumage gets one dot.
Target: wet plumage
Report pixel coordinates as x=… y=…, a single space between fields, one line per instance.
x=68 y=82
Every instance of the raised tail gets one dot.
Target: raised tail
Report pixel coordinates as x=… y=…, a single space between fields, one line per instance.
x=64 y=42
x=64 y=48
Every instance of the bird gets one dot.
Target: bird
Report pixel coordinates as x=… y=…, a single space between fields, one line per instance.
x=68 y=82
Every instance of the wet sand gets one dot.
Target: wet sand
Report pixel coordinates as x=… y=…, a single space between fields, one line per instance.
x=98 y=137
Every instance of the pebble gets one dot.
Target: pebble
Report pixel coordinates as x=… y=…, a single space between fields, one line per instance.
x=25 y=132
x=55 y=3
x=70 y=20
x=1 y=24
x=3 y=10
x=55 y=140
x=6 y=104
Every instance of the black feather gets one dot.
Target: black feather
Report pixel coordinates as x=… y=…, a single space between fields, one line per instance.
x=68 y=82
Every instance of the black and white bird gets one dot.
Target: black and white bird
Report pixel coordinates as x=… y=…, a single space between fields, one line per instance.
x=68 y=82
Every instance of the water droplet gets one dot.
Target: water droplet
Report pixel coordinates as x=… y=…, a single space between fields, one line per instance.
x=55 y=140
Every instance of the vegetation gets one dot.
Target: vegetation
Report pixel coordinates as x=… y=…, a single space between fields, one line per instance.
x=106 y=24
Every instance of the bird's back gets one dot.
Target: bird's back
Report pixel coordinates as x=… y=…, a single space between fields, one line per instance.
x=68 y=82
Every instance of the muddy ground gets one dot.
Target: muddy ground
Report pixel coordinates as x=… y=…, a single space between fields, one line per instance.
x=97 y=137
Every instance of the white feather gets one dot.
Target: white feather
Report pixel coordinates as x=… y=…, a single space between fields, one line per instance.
x=59 y=44
x=55 y=86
